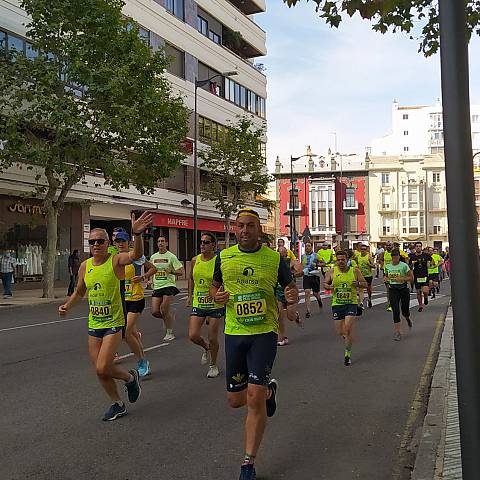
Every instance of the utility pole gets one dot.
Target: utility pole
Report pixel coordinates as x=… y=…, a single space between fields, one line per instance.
x=463 y=228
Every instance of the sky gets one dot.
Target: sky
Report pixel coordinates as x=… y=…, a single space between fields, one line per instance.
x=323 y=80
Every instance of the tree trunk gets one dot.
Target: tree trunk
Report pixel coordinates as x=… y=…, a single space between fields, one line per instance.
x=50 y=254
x=227 y=231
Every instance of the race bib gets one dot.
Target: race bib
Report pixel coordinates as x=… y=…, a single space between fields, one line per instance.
x=343 y=295
x=422 y=280
x=161 y=275
x=394 y=275
x=128 y=288
x=101 y=311
x=205 y=301
x=250 y=308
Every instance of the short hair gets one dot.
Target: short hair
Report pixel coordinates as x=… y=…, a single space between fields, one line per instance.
x=395 y=252
x=210 y=235
x=308 y=242
x=281 y=240
x=102 y=231
x=162 y=236
x=342 y=253
x=418 y=243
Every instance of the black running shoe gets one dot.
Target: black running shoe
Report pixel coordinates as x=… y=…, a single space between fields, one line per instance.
x=115 y=411
x=370 y=304
x=438 y=289
x=133 y=388
x=425 y=300
x=272 y=401
x=307 y=315
x=409 y=322
x=320 y=304
x=420 y=308
x=247 y=472
x=347 y=361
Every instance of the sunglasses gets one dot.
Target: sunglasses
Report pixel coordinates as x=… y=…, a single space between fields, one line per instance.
x=98 y=241
x=205 y=242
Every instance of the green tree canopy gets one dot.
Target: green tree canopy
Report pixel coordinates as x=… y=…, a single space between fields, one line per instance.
x=236 y=170
x=89 y=98
x=408 y=16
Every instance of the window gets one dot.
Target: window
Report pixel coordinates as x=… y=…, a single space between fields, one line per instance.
x=385 y=201
x=350 y=222
x=177 y=60
x=475 y=118
x=214 y=37
x=412 y=198
x=3 y=40
x=144 y=35
x=16 y=43
x=405 y=132
x=175 y=7
x=385 y=178
x=202 y=25
x=350 y=198
x=31 y=52
x=263 y=150
x=405 y=116
x=386 y=227
x=413 y=224
x=210 y=131
x=436 y=177
x=436 y=200
x=177 y=181
x=240 y=96
x=405 y=149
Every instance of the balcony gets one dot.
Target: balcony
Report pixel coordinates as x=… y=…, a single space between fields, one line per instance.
x=438 y=232
x=249 y=7
x=350 y=205
x=384 y=209
x=438 y=209
x=385 y=234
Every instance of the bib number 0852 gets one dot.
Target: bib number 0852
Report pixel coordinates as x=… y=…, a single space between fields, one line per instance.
x=249 y=308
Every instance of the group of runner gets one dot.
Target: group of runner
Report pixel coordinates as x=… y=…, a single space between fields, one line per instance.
x=251 y=286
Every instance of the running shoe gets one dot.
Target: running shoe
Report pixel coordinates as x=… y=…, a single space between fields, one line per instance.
x=389 y=308
x=425 y=300
x=213 y=372
x=320 y=304
x=272 y=401
x=420 y=308
x=143 y=367
x=247 y=472
x=347 y=360
x=438 y=289
x=299 y=320
x=307 y=315
x=370 y=304
x=283 y=342
x=115 y=411
x=397 y=336
x=205 y=357
x=409 y=322
x=133 y=387
x=169 y=336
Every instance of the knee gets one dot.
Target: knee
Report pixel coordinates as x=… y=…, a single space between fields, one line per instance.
x=130 y=334
x=256 y=399
x=156 y=313
x=194 y=337
x=102 y=369
x=236 y=400
x=213 y=340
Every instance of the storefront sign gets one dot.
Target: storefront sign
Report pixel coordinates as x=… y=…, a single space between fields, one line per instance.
x=177 y=221
x=27 y=209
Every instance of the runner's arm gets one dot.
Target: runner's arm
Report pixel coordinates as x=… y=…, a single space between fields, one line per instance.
x=360 y=281
x=190 y=282
x=151 y=270
x=328 y=280
x=216 y=290
x=79 y=292
x=297 y=268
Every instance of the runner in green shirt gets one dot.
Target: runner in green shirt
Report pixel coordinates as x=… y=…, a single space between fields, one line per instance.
x=165 y=288
x=244 y=280
x=100 y=276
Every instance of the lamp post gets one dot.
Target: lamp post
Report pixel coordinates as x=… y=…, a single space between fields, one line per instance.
x=199 y=83
x=293 y=229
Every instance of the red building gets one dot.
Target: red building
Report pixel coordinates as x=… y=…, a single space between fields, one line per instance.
x=330 y=198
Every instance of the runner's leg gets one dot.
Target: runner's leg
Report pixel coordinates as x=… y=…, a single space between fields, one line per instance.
x=195 y=329
x=166 y=311
x=213 y=332
x=156 y=306
x=131 y=335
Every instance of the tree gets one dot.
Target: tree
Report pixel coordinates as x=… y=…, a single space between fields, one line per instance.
x=399 y=15
x=236 y=170
x=90 y=98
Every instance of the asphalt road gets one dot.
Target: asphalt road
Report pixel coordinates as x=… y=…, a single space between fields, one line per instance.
x=333 y=422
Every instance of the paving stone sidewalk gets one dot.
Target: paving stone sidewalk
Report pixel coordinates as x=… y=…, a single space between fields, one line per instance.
x=439 y=455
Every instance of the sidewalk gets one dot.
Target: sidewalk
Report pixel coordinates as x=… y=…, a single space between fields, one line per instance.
x=28 y=298
x=439 y=455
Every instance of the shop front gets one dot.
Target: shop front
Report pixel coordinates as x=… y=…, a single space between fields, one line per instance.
x=23 y=232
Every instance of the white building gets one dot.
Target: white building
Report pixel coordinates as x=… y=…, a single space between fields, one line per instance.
x=418 y=130
x=408 y=199
x=198 y=34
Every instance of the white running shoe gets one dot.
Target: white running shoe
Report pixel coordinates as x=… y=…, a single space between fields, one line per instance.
x=213 y=372
x=205 y=357
x=169 y=336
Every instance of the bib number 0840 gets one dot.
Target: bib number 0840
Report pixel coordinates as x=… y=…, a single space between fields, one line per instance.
x=100 y=311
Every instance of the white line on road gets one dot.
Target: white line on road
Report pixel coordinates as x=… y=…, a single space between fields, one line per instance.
x=121 y=357
x=41 y=324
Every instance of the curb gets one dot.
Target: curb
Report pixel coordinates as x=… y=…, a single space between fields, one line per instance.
x=430 y=451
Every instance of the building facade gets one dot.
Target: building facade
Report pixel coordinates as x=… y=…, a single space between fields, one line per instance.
x=330 y=198
x=408 y=200
x=205 y=39
x=418 y=130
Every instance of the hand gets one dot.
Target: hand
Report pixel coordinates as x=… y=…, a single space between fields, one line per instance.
x=292 y=312
x=221 y=297
x=189 y=301
x=137 y=279
x=291 y=294
x=62 y=310
x=143 y=222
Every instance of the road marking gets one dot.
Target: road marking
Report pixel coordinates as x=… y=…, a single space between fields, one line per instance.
x=121 y=357
x=42 y=324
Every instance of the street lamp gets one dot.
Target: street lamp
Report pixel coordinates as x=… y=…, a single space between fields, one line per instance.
x=293 y=230
x=199 y=83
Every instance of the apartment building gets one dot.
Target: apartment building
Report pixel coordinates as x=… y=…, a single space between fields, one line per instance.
x=206 y=38
x=330 y=197
x=418 y=130
x=408 y=199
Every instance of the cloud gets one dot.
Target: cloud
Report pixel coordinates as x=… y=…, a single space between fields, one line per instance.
x=323 y=80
